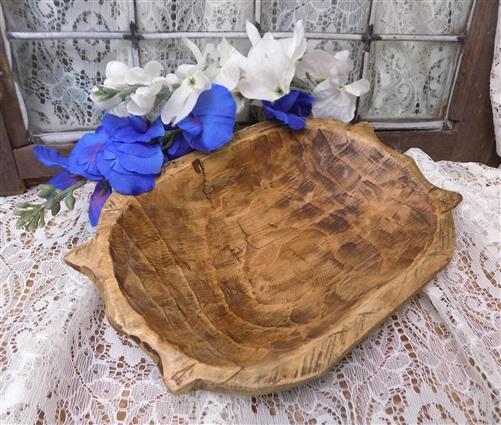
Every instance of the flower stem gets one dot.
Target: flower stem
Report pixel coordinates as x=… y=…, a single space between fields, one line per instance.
x=32 y=216
x=62 y=194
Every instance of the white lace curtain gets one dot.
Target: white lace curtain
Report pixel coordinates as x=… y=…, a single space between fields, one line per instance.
x=410 y=79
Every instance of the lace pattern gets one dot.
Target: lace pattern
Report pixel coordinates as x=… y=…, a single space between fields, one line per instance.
x=194 y=15
x=58 y=76
x=421 y=17
x=409 y=80
x=318 y=16
x=435 y=360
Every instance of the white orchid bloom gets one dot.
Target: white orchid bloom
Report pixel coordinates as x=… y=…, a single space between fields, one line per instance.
x=318 y=65
x=252 y=33
x=149 y=78
x=138 y=87
x=144 y=76
x=231 y=61
x=193 y=79
x=333 y=100
x=143 y=100
x=295 y=46
x=333 y=97
x=115 y=80
x=268 y=71
x=115 y=75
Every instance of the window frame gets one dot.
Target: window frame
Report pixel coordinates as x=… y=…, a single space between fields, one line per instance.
x=465 y=134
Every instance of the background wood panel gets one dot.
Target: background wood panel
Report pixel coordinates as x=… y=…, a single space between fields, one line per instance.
x=10 y=182
x=9 y=103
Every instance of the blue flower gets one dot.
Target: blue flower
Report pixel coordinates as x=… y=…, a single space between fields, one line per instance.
x=132 y=129
x=101 y=193
x=290 y=109
x=121 y=155
x=178 y=148
x=64 y=180
x=50 y=157
x=209 y=126
x=83 y=157
x=130 y=168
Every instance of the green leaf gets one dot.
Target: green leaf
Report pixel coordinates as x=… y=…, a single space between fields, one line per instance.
x=70 y=201
x=21 y=222
x=41 y=221
x=55 y=209
x=23 y=205
x=32 y=224
x=45 y=190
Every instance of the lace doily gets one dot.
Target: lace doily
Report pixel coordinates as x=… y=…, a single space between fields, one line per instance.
x=436 y=360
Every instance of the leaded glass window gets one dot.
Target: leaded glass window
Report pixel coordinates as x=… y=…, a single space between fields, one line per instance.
x=409 y=50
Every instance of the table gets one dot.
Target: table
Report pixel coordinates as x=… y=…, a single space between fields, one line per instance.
x=436 y=360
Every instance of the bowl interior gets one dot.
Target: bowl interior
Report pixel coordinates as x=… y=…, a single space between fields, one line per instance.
x=255 y=251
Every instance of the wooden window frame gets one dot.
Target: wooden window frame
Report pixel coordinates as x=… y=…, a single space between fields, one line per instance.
x=471 y=137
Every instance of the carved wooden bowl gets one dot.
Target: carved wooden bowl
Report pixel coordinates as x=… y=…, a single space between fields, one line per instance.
x=257 y=267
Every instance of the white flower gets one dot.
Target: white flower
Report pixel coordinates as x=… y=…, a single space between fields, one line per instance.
x=137 y=86
x=319 y=65
x=192 y=80
x=295 y=46
x=268 y=70
x=333 y=97
x=149 y=78
x=115 y=80
x=143 y=76
x=337 y=101
x=115 y=75
x=142 y=101
x=104 y=103
x=227 y=72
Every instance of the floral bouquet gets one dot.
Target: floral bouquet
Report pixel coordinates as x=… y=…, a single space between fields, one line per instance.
x=197 y=107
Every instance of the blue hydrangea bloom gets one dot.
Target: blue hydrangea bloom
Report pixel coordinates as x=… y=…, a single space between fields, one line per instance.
x=290 y=109
x=209 y=126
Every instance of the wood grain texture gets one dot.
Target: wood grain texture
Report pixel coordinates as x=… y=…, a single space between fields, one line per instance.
x=257 y=267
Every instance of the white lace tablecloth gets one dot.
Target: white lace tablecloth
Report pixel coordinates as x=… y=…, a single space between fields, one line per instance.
x=436 y=360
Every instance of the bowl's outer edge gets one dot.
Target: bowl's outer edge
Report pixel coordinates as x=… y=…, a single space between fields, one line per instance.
x=182 y=373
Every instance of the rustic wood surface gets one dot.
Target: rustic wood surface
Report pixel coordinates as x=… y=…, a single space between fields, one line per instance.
x=257 y=267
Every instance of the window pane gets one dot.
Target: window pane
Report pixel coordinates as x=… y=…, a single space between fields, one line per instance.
x=421 y=17
x=318 y=15
x=409 y=80
x=58 y=15
x=194 y=15
x=56 y=77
